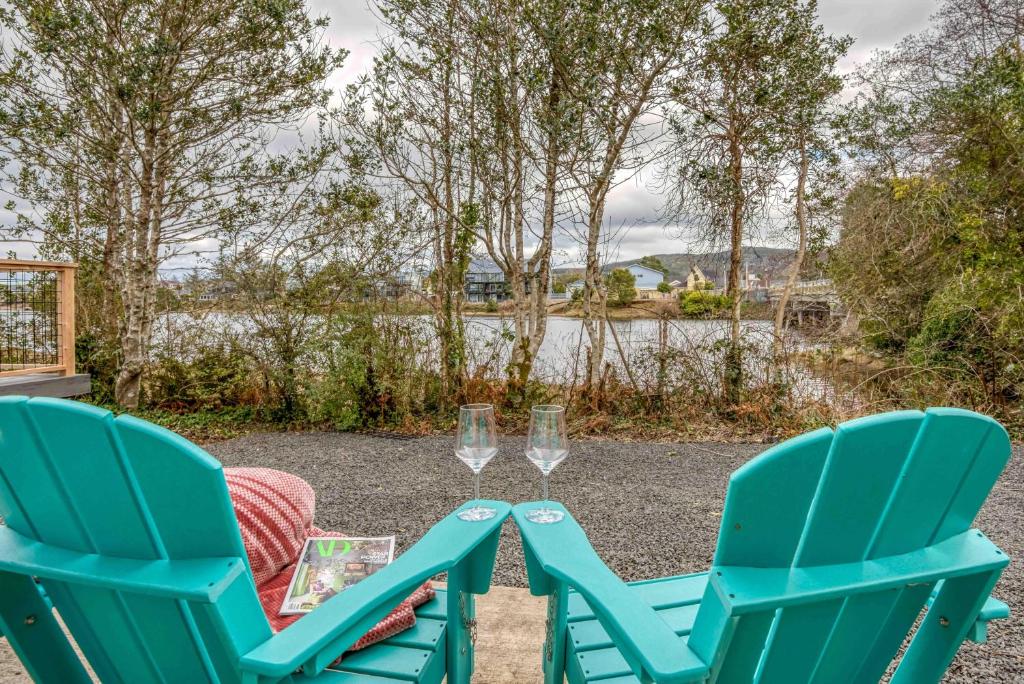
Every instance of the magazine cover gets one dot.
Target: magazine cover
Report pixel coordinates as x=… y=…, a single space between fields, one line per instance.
x=329 y=565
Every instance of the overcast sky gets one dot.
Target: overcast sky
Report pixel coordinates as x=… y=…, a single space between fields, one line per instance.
x=875 y=24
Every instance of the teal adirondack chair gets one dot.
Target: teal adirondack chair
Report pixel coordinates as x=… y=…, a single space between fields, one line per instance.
x=830 y=546
x=130 y=531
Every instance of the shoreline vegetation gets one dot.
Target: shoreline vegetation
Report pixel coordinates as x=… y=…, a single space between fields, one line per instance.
x=868 y=378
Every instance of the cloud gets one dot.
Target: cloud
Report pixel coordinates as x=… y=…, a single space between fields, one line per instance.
x=874 y=24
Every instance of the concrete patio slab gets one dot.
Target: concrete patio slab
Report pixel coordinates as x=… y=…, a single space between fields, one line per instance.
x=510 y=636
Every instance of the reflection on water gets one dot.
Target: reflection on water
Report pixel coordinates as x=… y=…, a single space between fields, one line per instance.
x=566 y=341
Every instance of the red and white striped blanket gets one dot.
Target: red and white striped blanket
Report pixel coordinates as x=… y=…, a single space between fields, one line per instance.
x=275 y=515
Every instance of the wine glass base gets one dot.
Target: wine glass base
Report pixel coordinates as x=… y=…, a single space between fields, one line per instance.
x=544 y=516
x=477 y=514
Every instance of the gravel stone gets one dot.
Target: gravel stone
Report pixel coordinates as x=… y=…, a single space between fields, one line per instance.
x=650 y=510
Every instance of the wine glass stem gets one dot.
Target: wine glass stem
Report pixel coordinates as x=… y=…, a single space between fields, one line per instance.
x=544 y=485
x=476 y=485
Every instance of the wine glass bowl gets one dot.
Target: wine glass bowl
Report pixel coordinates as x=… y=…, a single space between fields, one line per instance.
x=476 y=443
x=547 y=445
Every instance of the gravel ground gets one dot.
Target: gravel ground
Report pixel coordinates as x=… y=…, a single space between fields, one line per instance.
x=650 y=509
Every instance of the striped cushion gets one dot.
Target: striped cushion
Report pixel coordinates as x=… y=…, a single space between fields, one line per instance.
x=275 y=515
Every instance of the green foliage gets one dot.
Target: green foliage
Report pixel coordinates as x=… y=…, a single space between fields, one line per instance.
x=664 y=287
x=491 y=306
x=96 y=356
x=374 y=373
x=653 y=262
x=560 y=281
x=130 y=130
x=931 y=253
x=210 y=379
x=700 y=304
x=621 y=287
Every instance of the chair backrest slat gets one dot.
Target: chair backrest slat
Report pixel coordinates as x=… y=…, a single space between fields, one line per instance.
x=73 y=476
x=766 y=510
x=880 y=486
x=864 y=464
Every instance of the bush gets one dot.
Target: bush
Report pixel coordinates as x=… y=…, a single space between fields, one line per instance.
x=621 y=287
x=961 y=340
x=701 y=304
x=211 y=378
x=377 y=372
x=664 y=287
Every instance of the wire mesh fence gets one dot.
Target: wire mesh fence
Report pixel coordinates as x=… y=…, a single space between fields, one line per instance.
x=33 y=318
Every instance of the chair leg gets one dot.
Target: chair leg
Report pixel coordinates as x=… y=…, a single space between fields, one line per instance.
x=555 y=645
x=33 y=632
x=461 y=628
x=945 y=626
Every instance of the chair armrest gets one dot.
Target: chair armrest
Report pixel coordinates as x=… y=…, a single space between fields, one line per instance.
x=750 y=590
x=561 y=551
x=316 y=640
x=200 y=579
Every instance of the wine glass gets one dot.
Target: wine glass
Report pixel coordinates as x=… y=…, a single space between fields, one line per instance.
x=546 y=446
x=475 y=444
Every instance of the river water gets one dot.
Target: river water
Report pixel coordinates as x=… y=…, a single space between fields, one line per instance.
x=566 y=342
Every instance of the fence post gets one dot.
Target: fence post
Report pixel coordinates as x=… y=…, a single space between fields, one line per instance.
x=67 y=318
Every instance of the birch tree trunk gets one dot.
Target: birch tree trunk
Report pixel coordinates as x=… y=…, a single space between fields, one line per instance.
x=733 y=371
x=138 y=277
x=595 y=301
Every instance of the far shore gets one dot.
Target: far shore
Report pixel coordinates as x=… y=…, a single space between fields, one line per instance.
x=643 y=309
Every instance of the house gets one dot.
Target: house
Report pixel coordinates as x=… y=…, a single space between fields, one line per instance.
x=647 y=281
x=485 y=282
x=214 y=290
x=174 y=286
x=406 y=283
x=646 y=278
x=696 y=280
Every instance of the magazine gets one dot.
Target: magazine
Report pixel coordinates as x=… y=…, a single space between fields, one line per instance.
x=329 y=565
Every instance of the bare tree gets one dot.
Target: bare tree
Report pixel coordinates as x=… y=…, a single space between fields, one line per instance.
x=805 y=128
x=410 y=115
x=518 y=128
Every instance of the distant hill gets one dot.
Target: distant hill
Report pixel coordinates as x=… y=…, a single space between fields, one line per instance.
x=769 y=262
